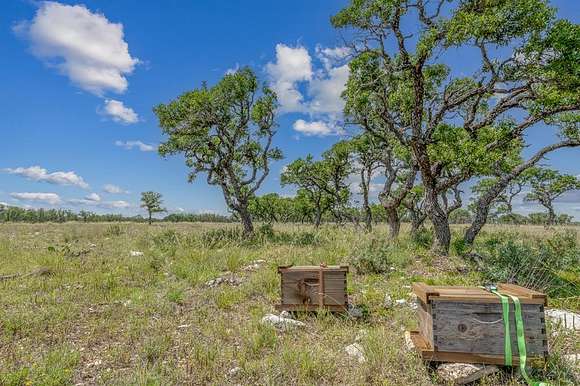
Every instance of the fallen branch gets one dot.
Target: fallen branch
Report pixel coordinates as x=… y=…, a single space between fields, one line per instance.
x=37 y=272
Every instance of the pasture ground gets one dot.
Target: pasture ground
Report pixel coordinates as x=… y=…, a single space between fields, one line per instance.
x=102 y=316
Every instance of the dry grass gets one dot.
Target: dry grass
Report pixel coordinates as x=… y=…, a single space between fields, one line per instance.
x=105 y=317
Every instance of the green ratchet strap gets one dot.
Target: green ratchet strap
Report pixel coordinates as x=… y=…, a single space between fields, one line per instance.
x=519 y=334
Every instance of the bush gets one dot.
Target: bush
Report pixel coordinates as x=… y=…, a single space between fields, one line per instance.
x=222 y=236
x=374 y=258
x=550 y=265
x=167 y=241
x=423 y=238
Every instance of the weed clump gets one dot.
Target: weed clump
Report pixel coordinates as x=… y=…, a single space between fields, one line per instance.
x=551 y=265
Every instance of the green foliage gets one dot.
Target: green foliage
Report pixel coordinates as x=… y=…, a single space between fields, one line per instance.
x=152 y=202
x=423 y=237
x=377 y=256
x=225 y=131
x=537 y=264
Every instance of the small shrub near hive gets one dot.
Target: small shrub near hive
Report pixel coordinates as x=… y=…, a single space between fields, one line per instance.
x=550 y=266
x=423 y=238
x=374 y=258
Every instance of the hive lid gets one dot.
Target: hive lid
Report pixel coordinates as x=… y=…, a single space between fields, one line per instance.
x=427 y=292
x=313 y=268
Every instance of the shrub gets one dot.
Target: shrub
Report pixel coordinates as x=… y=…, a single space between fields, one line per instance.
x=222 y=236
x=423 y=238
x=374 y=258
x=167 y=241
x=550 y=265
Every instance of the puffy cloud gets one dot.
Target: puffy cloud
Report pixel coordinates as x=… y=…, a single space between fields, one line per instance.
x=38 y=173
x=315 y=128
x=320 y=98
x=119 y=112
x=326 y=91
x=114 y=189
x=93 y=197
x=138 y=144
x=119 y=204
x=85 y=46
x=293 y=64
x=47 y=198
x=332 y=56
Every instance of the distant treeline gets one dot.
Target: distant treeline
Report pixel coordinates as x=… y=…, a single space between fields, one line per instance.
x=273 y=212
x=17 y=214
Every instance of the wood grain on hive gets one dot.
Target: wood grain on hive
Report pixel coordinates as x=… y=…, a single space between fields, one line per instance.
x=466 y=324
x=306 y=288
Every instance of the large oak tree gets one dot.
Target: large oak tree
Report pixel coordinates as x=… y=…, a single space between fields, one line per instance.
x=226 y=132
x=459 y=125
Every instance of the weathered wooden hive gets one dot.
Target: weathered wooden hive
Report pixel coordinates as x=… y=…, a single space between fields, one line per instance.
x=465 y=324
x=307 y=288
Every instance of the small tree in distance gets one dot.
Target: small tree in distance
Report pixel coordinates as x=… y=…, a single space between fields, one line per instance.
x=547 y=186
x=152 y=202
x=226 y=132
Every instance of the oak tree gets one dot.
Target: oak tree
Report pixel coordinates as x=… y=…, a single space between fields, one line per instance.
x=226 y=132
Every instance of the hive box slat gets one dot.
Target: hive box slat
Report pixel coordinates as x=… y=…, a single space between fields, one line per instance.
x=466 y=323
x=301 y=289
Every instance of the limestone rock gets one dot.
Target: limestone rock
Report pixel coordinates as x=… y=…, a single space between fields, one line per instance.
x=356 y=351
x=281 y=323
x=566 y=319
x=463 y=373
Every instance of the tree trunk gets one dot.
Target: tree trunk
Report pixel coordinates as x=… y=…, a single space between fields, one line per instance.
x=394 y=222
x=440 y=221
x=368 y=218
x=416 y=221
x=150 y=220
x=246 y=219
x=551 y=215
x=317 y=217
x=482 y=210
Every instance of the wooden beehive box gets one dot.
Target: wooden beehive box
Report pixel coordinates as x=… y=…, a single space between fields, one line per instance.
x=308 y=288
x=465 y=324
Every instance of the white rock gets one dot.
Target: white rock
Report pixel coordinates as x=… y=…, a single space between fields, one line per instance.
x=286 y=315
x=400 y=302
x=388 y=303
x=463 y=373
x=280 y=322
x=354 y=311
x=572 y=359
x=234 y=371
x=356 y=351
x=567 y=319
x=135 y=253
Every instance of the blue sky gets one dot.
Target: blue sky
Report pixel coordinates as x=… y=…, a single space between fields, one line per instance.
x=80 y=81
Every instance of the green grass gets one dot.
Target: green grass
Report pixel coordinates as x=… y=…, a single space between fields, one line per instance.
x=105 y=317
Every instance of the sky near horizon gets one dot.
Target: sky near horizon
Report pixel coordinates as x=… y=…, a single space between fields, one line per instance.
x=80 y=80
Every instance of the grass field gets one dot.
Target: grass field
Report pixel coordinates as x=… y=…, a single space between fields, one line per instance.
x=99 y=315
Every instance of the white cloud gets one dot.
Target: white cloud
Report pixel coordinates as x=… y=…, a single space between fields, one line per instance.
x=114 y=189
x=138 y=144
x=326 y=91
x=119 y=112
x=292 y=65
x=47 y=198
x=93 y=197
x=119 y=204
x=303 y=88
x=83 y=45
x=332 y=56
x=95 y=200
x=315 y=128
x=231 y=71
x=37 y=173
